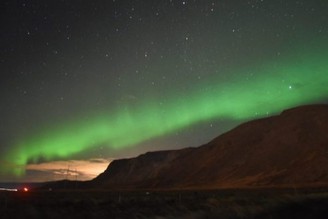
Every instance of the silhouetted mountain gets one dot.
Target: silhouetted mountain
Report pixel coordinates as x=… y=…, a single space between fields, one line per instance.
x=290 y=149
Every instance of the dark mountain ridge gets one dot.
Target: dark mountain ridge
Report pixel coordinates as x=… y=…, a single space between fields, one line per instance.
x=290 y=149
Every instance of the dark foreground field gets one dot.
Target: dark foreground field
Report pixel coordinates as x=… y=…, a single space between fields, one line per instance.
x=279 y=203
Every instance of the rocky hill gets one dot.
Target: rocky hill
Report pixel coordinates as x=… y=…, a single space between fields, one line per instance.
x=290 y=150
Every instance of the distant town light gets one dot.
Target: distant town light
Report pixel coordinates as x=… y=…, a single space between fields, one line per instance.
x=10 y=190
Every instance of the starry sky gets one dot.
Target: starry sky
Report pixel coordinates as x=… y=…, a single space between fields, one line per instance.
x=86 y=82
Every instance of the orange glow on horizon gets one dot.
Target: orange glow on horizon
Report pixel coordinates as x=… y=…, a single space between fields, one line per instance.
x=71 y=169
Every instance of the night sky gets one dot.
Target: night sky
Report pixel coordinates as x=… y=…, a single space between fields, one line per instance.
x=85 y=82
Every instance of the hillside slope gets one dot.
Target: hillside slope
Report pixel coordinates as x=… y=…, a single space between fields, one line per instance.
x=290 y=149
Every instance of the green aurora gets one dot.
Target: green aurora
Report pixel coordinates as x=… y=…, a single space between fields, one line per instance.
x=276 y=85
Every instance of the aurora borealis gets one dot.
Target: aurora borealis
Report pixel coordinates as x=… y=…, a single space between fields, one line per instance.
x=98 y=79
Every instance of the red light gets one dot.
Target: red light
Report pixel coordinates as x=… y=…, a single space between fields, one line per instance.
x=25 y=189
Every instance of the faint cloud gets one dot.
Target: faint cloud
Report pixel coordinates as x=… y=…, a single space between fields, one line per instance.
x=70 y=169
x=98 y=160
